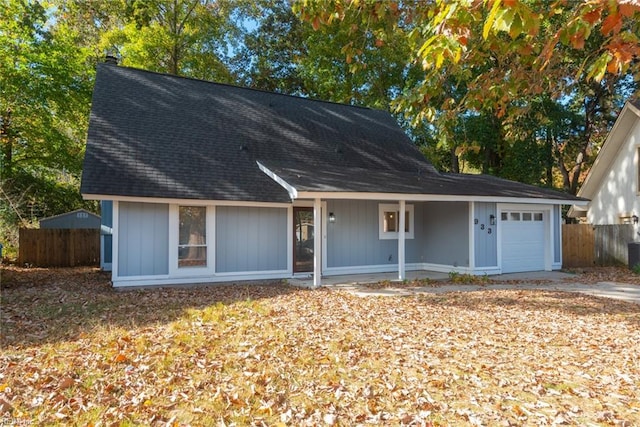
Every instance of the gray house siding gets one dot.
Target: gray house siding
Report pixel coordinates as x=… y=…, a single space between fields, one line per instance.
x=486 y=243
x=143 y=239
x=106 y=216
x=446 y=227
x=251 y=239
x=353 y=240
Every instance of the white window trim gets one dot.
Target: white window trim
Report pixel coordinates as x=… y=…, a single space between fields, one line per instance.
x=174 y=228
x=394 y=207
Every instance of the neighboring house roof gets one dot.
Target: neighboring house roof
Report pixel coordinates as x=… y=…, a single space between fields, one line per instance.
x=607 y=154
x=161 y=136
x=80 y=218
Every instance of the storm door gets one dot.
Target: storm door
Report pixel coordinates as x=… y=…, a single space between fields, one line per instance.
x=303 y=232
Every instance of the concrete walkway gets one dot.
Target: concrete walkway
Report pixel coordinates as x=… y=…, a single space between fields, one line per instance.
x=543 y=280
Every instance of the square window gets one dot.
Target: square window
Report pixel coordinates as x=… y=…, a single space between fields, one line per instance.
x=537 y=216
x=192 y=236
x=389 y=217
x=504 y=216
x=514 y=216
x=526 y=216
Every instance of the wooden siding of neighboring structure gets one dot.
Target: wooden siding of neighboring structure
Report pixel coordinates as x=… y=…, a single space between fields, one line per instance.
x=585 y=245
x=56 y=247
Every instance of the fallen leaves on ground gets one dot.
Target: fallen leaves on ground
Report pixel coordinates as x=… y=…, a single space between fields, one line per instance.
x=77 y=351
x=586 y=276
x=592 y=275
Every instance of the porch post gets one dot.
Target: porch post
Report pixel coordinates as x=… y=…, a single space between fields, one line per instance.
x=401 y=238
x=472 y=237
x=317 y=242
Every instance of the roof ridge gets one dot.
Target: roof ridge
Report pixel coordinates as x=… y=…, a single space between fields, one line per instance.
x=141 y=70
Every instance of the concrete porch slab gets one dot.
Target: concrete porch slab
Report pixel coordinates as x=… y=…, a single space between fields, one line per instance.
x=355 y=279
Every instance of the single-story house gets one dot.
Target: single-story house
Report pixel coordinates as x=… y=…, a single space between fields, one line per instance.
x=613 y=183
x=210 y=182
x=80 y=218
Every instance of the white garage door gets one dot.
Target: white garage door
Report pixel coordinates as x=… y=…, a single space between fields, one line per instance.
x=523 y=241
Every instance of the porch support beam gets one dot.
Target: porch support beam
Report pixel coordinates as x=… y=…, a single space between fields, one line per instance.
x=401 y=240
x=317 y=242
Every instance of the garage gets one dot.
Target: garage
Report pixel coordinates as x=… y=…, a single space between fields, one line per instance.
x=523 y=240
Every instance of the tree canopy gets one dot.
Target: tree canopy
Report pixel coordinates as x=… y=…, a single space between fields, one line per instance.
x=491 y=69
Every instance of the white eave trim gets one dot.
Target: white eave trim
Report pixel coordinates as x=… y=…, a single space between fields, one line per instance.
x=184 y=202
x=395 y=197
x=293 y=193
x=434 y=197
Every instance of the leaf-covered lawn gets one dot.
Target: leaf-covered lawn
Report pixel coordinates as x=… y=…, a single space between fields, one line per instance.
x=76 y=351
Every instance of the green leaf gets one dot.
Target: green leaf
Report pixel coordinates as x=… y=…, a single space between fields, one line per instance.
x=598 y=68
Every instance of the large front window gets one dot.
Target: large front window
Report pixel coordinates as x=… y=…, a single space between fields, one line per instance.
x=192 y=241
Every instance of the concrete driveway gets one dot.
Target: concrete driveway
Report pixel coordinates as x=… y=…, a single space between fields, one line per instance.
x=543 y=280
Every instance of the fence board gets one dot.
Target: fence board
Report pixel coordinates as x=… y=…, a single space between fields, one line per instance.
x=57 y=247
x=612 y=243
x=585 y=245
x=578 y=243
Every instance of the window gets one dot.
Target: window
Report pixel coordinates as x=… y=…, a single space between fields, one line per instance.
x=192 y=238
x=390 y=221
x=521 y=216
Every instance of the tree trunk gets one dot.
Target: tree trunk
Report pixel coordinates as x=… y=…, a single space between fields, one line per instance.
x=549 y=158
x=173 y=66
x=592 y=106
x=6 y=139
x=455 y=162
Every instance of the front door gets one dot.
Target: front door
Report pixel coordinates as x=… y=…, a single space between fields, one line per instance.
x=303 y=232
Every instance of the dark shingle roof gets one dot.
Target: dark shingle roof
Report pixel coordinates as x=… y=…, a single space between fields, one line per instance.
x=157 y=135
x=331 y=179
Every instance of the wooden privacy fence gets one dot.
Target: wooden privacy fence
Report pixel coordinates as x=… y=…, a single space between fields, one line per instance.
x=585 y=245
x=57 y=247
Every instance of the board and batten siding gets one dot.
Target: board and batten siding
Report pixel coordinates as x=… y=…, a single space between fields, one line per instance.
x=353 y=239
x=143 y=239
x=446 y=233
x=106 y=218
x=251 y=239
x=485 y=236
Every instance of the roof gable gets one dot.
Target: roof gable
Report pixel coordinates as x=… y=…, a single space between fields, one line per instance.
x=616 y=139
x=156 y=135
